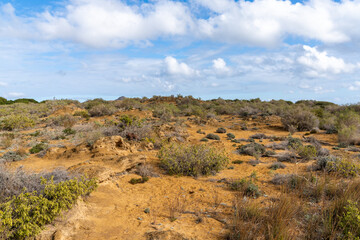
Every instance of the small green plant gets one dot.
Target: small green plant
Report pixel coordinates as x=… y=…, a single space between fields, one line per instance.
x=350 y=221
x=204 y=140
x=69 y=131
x=212 y=136
x=84 y=114
x=139 y=180
x=192 y=160
x=343 y=166
x=24 y=216
x=247 y=187
x=230 y=136
x=237 y=162
x=307 y=152
x=221 y=130
x=38 y=148
x=277 y=165
x=252 y=149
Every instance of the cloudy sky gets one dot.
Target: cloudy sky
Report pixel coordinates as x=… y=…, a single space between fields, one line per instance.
x=270 y=49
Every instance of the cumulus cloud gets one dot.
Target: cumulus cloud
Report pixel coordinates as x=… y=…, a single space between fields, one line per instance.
x=220 y=65
x=320 y=63
x=268 y=22
x=173 y=67
x=116 y=23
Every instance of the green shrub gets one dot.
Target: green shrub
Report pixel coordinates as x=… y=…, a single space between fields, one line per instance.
x=230 y=136
x=18 y=121
x=343 y=166
x=221 y=130
x=38 y=148
x=139 y=180
x=192 y=160
x=307 y=152
x=237 y=162
x=84 y=114
x=69 y=131
x=212 y=136
x=247 y=187
x=252 y=149
x=25 y=215
x=348 y=127
x=350 y=221
x=299 y=119
x=277 y=165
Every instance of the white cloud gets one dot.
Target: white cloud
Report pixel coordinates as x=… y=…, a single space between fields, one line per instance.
x=268 y=22
x=320 y=63
x=115 y=23
x=220 y=65
x=112 y=23
x=354 y=86
x=173 y=67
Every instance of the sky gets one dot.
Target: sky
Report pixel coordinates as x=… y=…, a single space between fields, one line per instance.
x=268 y=49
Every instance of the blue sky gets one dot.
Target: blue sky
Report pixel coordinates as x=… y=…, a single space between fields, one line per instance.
x=270 y=49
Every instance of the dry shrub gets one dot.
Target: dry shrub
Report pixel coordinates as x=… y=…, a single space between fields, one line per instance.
x=7 y=139
x=299 y=119
x=146 y=170
x=66 y=121
x=253 y=222
x=14 y=183
x=348 y=127
x=102 y=110
x=192 y=160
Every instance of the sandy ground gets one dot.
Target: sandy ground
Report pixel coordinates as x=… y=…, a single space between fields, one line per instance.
x=202 y=206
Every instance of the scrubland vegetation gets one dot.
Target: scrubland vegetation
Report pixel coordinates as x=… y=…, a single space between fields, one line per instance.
x=309 y=187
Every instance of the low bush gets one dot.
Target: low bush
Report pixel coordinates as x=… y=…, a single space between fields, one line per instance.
x=277 y=165
x=220 y=130
x=102 y=110
x=307 y=152
x=66 y=121
x=237 y=162
x=13 y=156
x=230 y=136
x=299 y=119
x=69 y=131
x=139 y=180
x=348 y=127
x=212 y=136
x=252 y=149
x=38 y=148
x=16 y=121
x=84 y=114
x=24 y=216
x=192 y=160
x=247 y=187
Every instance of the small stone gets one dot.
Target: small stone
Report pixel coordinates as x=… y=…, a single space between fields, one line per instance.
x=147 y=210
x=139 y=218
